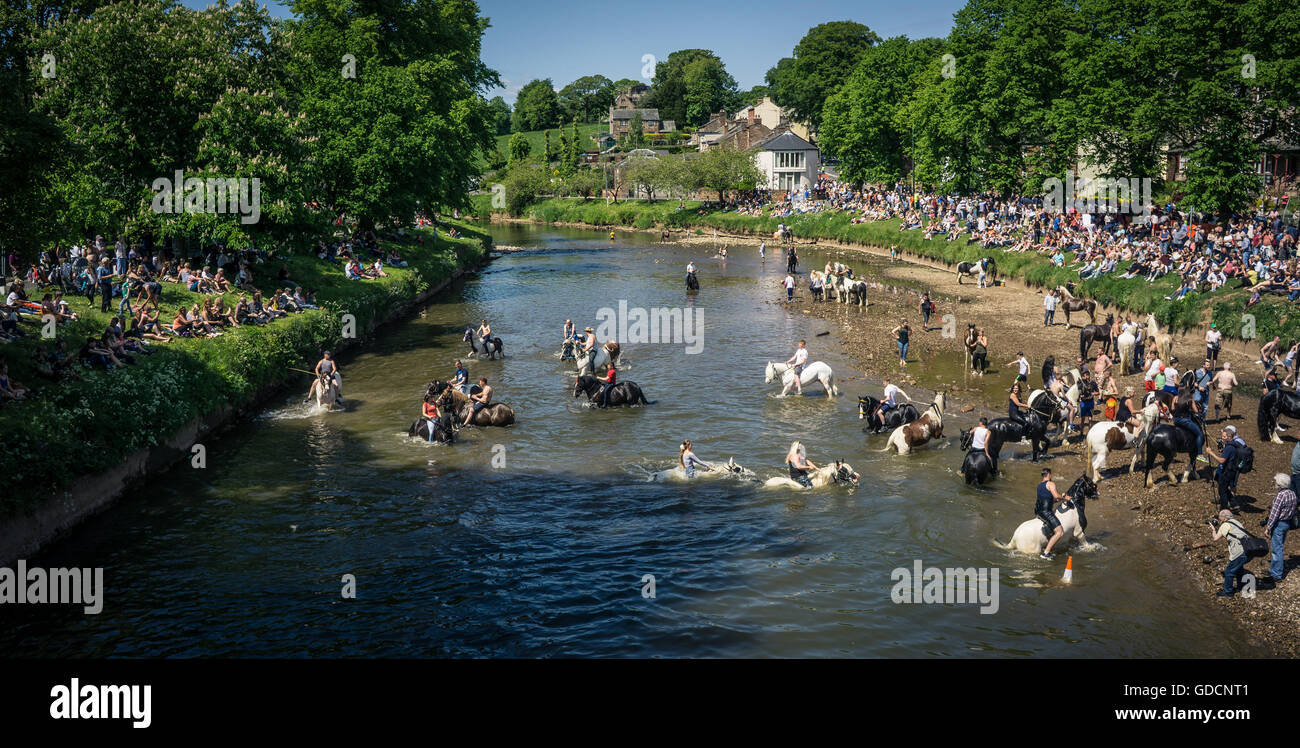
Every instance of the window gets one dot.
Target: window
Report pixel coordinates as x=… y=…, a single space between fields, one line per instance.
x=789 y=160
x=789 y=180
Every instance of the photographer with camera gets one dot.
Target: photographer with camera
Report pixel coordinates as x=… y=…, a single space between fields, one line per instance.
x=1227 y=527
x=1234 y=458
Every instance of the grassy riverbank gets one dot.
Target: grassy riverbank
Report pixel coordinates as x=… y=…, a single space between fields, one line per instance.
x=91 y=421
x=1273 y=316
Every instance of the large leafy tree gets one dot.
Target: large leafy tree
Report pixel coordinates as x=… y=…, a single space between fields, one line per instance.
x=690 y=85
x=861 y=123
x=822 y=60
x=586 y=98
x=499 y=114
x=404 y=132
x=536 y=107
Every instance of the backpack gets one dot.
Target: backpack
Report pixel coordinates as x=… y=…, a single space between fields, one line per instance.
x=1245 y=459
x=1252 y=546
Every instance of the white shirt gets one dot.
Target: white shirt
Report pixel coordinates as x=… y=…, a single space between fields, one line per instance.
x=801 y=357
x=891 y=394
x=1049 y=302
x=1154 y=369
x=1171 y=376
x=789 y=281
x=1212 y=337
x=1024 y=366
x=979 y=438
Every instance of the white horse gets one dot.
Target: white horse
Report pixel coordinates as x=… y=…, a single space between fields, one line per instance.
x=326 y=390
x=840 y=472
x=817 y=370
x=1126 y=342
x=1163 y=341
x=728 y=469
x=586 y=364
x=920 y=431
x=1105 y=436
x=1029 y=537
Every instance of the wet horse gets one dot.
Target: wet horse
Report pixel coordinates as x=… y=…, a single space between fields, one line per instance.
x=490 y=346
x=1032 y=535
x=623 y=393
x=869 y=406
x=917 y=433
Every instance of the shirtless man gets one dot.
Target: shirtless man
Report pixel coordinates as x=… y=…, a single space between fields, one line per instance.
x=481 y=400
x=1224 y=381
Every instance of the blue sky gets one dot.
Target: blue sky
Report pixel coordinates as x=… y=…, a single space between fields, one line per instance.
x=567 y=39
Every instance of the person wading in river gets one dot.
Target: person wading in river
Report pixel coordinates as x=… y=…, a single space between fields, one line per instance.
x=689 y=462
x=1045 y=509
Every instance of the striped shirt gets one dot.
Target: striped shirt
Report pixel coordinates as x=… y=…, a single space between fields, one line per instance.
x=1284 y=506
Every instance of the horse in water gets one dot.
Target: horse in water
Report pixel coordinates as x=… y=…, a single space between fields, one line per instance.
x=839 y=473
x=623 y=393
x=855 y=292
x=917 y=433
x=489 y=346
x=1106 y=436
x=971 y=340
x=1272 y=405
x=457 y=405
x=1005 y=430
x=816 y=371
x=1032 y=535
x=441 y=432
x=973 y=269
x=976 y=467
x=327 y=391
x=604 y=354
x=728 y=469
x=869 y=406
x=1163 y=341
x=1089 y=334
x=692 y=283
x=1070 y=303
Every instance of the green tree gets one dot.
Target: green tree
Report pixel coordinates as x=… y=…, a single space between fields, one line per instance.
x=822 y=60
x=636 y=130
x=500 y=115
x=519 y=148
x=587 y=98
x=536 y=107
x=724 y=169
x=690 y=85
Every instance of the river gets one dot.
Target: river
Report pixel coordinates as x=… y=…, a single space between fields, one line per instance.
x=533 y=540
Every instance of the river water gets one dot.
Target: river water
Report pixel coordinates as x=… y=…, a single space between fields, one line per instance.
x=533 y=541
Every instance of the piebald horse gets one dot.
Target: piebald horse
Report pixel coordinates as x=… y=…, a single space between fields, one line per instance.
x=489 y=346
x=1106 y=436
x=1071 y=303
x=588 y=364
x=917 y=433
x=973 y=269
x=1031 y=538
x=327 y=391
x=1164 y=342
x=816 y=370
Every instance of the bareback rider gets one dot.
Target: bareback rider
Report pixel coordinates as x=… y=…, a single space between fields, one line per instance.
x=327 y=369
x=799 y=360
x=889 y=400
x=480 y=399
x=1045 y=509
x=607 y=383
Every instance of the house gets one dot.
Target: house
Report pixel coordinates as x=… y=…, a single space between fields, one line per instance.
x=630 y=97
x=620 y=121
x=710 y=131
x=605 y=141
x=765 y=111
x=788 y=162
x=1277 y=163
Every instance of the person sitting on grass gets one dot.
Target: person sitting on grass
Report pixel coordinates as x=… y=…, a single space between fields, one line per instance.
x=263 y=311
x=94 y=353
x=9 y=389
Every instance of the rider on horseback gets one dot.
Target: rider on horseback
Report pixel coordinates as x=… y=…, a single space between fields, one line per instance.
x=430 y=413
x=799 y=359
x=689 y=462
x=890 y=400
x=481 y=400
x=1188 y=415
x=327 y=371
x=1015 y=404
x=799 y=465
x=607 y=383
x=1045 y=509
x=461 y=380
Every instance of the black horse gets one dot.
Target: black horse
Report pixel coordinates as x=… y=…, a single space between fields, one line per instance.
x=1004 y=430
x=976 y=467
x=1186 y=385
x=441 y=433
x=623 y=393
x=869 y=406
x=491 y=346
x=1167 y=441
x=692 y=283
x=1089 y=334
x=1273 y=404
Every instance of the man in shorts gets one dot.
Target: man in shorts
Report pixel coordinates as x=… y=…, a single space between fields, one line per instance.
x=1224 y=381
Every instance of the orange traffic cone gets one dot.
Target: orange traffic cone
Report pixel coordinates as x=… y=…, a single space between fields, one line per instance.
x=1069 y=570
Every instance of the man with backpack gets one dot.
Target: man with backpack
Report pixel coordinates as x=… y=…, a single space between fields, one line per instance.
x=1231 y=529
x=1237 y=458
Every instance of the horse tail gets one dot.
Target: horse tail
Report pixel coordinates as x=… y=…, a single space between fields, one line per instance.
x=1004 y=546
x=1087 y=453
x=641 y=394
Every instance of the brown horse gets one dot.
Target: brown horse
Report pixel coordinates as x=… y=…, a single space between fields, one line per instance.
x=457 y=405
x=1069 y=303
x=1089 y=334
